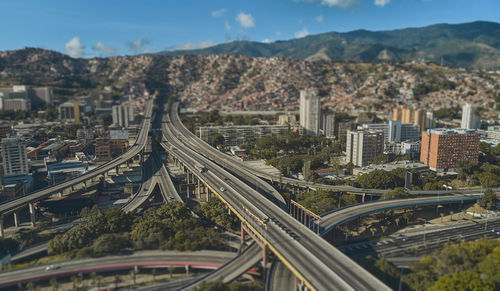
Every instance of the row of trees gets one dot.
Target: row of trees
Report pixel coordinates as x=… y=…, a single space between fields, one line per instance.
x=473 y=265
x=170 y=226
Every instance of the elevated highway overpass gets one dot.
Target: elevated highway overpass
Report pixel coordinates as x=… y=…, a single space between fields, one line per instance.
x=316 y=263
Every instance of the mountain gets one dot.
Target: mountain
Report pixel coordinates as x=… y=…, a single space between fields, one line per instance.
x=469 y=45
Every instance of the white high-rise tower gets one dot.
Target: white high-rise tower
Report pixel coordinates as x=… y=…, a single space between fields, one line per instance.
x=470 y=120
x=310 y=112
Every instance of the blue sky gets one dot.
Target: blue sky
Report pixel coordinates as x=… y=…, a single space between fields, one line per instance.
x=86 y=28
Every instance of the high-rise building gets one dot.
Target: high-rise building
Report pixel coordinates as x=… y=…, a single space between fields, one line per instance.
x=408 y=115
x=310 y=112
x=442 y=148
x=470 y=120
x=15 y=160
x=329 y=124
x=123 y=115
x=102 y=149
x=363 y=146
x=429 y=120
x=33 y=96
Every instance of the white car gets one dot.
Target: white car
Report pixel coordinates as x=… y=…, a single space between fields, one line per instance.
x=222 y=189
x=51 y=267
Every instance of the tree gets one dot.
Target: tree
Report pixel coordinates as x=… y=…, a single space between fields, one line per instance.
x=54 y=284
x=110 y=243
x=76 y=281
x=489 y=179
x=31 y=286
x=381 y=159
x=132 y=274
x=489 y=199
x=466 y=280
x=171 y=270
x=398 y=192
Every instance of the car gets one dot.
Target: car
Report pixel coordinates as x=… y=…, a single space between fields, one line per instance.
x=498 y=232
x=493 y=230
x=222 y=189
x=51 y=267
x=171 y=197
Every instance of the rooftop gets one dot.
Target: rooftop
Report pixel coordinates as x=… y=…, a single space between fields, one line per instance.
x=449 y=131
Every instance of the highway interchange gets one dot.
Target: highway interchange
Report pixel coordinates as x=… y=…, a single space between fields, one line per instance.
x=314 y=261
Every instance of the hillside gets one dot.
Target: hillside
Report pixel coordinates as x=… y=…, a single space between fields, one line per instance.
x=228 y=82
x=470 y=45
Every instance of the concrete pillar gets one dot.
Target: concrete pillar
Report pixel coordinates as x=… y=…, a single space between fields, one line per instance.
x=1 y=226
x=187 y=269
x=242 y=236
x=16 y=219
x=117 y=170
x=363 y=198
x=199 y=188
x=32 y=214
x=264 y=261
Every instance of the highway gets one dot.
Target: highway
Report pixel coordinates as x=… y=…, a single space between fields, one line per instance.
x=135 y=149
x=313 y=260
x=341 y=215
x=231 y=270
x=198 y=259
x=280 y=278
x=231 y=163
x=415 y=244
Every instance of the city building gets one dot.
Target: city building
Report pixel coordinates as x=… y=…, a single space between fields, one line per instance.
x=408 y=115
x=118 y=142
x=411 y=148
x=310 y=112
x=329 y=124
x=342 y=126
x=363 y=146
x=123 y=115
x=65 y=170
x=70 y=111
x=442 y=148
x=5 y=129
x=238 y=134
x=285 y=119
x=407 y=165
x=36 y=96
x=102 y=149
x=15 y=160
x=429 y=120
x=470 y=120
x=11 y=191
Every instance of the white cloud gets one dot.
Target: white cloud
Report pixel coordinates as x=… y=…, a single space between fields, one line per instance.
x=193 y=46
x=137 y=46
x=105 y=49
x=245 y=20
x=301 y=33
x=382 y=3
x=340 y=3
x=74 y=48
x=267 y=40
x=219 y=13
x=319 y=18
x=227 y=25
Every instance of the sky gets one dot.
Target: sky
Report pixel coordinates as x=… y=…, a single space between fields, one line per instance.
x=89 y=28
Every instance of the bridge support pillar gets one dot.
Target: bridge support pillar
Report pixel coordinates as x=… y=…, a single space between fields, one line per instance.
x=1 y=226
x=16 y=219
x=242 y=237
x=32 y=214
x=264 y=262
x=117 y=170
x=363 y=198
x=187 y=269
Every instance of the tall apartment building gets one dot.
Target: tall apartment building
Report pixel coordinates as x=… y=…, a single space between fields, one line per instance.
x=31 y=96
x=310 y=112
x=396 y=131
x=429 y=120
x=70 y=111
x=102 y=149
x=15 y=160
x=363 y=146
x=470 y=120
x=329 y=124
x=238 y=134
x=5 y=129
x=123 y=114
x=408 y=115
x=442 y=148
x=342 y=126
